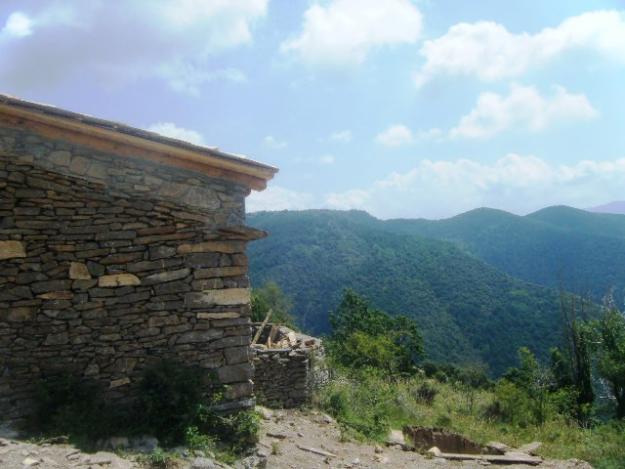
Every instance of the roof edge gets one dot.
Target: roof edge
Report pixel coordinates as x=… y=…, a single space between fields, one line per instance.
x=164 y=150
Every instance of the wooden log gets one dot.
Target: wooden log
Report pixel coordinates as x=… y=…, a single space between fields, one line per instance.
x=320 y=452
x=494 y=458
x=262 y=327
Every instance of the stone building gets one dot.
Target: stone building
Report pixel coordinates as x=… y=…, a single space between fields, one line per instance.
x=119 y=247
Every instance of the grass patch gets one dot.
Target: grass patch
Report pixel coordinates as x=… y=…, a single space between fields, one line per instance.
x=367 y=405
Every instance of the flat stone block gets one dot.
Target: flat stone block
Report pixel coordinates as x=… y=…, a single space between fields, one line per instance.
x=79 y=271
x=118 y=280
x=11 y=249
x=220 y=272
x=228 y=247
x=57 y=295
x=222 y=315
x=119 y=382
x=235 y=373
x=224 y=297
x=199 y=336
x=168 y=276
x=19 y=314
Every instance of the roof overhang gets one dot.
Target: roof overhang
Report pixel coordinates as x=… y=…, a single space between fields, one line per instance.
x=131 y=142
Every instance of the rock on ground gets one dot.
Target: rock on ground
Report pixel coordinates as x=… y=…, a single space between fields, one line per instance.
x=20 y=455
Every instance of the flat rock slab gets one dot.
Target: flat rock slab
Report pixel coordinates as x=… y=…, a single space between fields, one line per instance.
x=11 y=249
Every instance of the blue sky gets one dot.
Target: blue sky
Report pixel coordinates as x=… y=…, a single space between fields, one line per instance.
x=401 y=108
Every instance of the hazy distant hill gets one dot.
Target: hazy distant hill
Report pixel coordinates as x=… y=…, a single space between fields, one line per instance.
x=468 y=310
x=583 y=251
x=618 y=206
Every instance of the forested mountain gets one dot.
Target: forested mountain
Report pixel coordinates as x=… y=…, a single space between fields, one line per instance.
x=468 y=311
x=558 y=246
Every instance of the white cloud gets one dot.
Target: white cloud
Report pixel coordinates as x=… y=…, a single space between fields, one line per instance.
x=169 y=129
x=435 y=189
x=274 y=143
x=396 y=135
x=343 y=32
x=119 y=42
x=490 y=52
x=279 y=198
x=326 y=159
x=342 y=136
x=524 y=107
x=18 y=25
x=189 y=78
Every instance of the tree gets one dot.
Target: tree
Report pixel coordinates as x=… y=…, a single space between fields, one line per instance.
x=576 y=357
x=270 y=296
x=610 y=348
x=536 y=380
x=363 y=336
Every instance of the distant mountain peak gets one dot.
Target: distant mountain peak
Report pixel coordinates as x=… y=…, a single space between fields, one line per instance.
x=617 y=206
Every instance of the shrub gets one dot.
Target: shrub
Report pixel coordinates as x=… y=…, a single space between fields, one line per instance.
x=270 y=296
x=168 y=399
x=425 y=393
x=159 y=459
x=172 y=405
x=67 y=405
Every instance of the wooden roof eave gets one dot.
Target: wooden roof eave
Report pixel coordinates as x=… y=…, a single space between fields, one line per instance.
x=238 y=170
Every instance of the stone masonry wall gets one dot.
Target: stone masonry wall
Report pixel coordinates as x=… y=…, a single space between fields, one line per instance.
x=286 y=373
x=108 y=264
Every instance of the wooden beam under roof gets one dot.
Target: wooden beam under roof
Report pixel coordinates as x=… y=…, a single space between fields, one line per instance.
x=127 y=141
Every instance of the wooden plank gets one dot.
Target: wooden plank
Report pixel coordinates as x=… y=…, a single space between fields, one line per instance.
x=494 y=458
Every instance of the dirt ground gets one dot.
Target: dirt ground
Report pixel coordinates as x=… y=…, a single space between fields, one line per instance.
x=19 y=455
x=285 y=433
x=286 y=441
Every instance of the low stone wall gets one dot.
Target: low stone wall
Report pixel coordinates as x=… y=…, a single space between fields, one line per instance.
x=287 y=371
x=108 y=264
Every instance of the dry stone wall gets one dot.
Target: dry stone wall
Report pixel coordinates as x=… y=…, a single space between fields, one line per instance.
x=108 y=264
x=287 y=372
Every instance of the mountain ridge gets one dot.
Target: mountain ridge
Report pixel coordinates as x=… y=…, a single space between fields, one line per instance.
x=469 y=311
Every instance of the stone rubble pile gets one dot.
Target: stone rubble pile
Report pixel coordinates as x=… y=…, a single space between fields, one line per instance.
x=286 y=366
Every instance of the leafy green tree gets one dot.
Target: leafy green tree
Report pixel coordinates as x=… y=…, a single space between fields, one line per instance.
x=363 y=336
x=270 y=296
x=610 y=349
x=536 y=380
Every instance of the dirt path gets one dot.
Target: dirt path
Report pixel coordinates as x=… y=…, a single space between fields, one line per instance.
x=287 y=432
x=287 y=438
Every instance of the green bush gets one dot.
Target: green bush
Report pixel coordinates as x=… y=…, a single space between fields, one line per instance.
x=168 y=399
x=67 y=405
x=426 y=393
x=172 y=404
x=361 y=406
x=364 y=337
x=270 y=296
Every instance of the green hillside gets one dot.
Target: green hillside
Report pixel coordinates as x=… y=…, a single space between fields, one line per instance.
x=468 y=310
x=582 y=251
